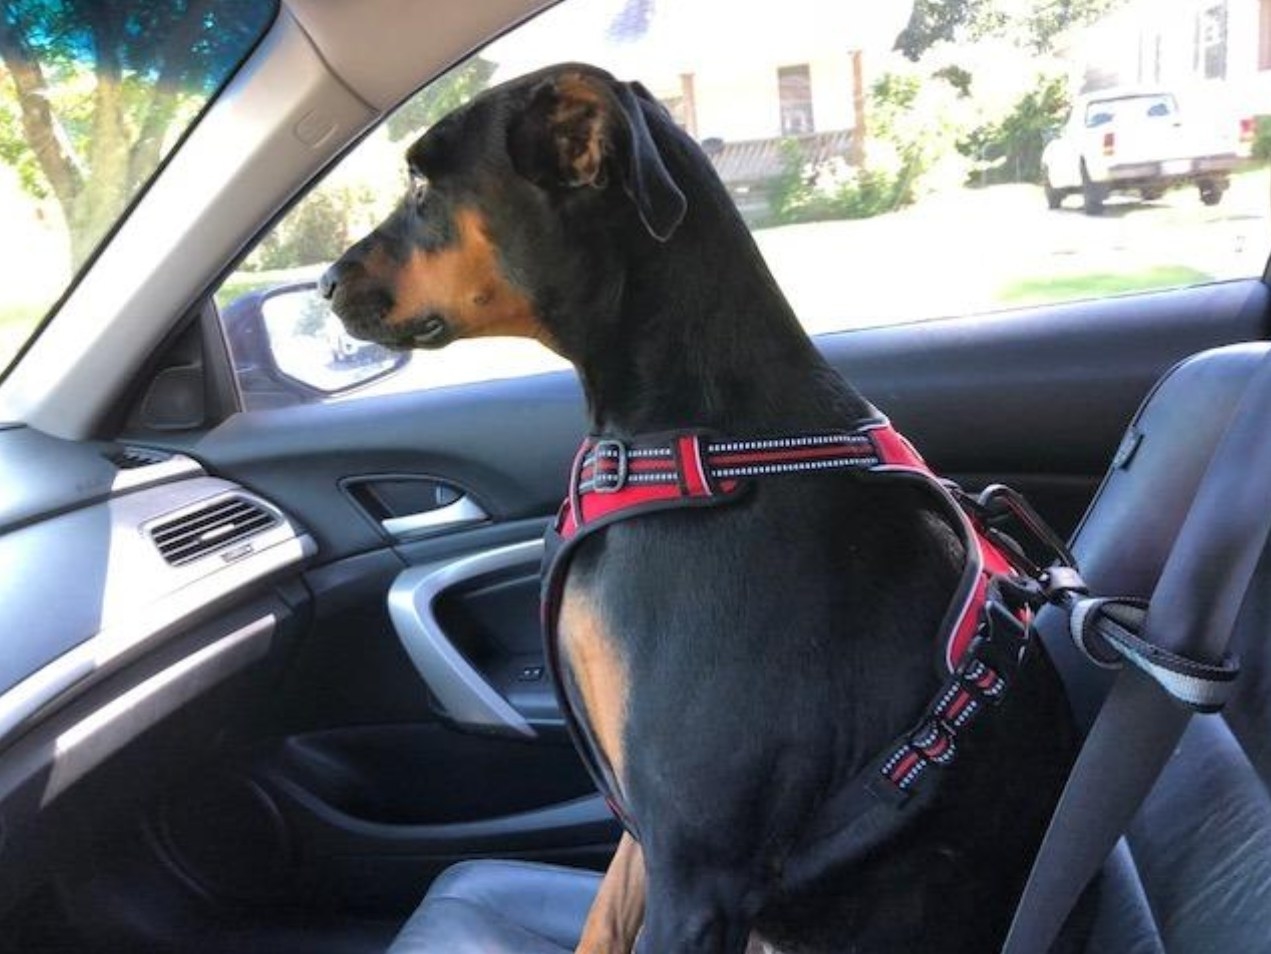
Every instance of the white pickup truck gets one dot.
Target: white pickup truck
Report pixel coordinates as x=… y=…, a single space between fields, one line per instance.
x=1139 y=139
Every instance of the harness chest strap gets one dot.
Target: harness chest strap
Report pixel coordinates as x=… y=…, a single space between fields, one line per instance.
x=612 y=480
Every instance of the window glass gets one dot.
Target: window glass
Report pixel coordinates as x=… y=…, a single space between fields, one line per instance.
x=93 y=96
x=1100 y=112
x=794 y=85
x=895 y=161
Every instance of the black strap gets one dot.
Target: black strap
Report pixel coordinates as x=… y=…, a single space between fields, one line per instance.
x=1192 y=614
x=1107 y=632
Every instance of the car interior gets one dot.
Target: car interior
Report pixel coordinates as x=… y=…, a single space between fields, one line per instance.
x=272 y=678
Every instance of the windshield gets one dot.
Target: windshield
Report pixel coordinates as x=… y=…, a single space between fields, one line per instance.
x=93 y=96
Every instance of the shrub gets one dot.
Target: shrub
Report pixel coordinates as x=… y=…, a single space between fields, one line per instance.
x=1009 y=148
x=830 y=190
x=318 y=229
x=914 y=124
x=1262 y=138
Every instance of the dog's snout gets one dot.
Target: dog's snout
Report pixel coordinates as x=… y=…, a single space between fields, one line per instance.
x=328 y=281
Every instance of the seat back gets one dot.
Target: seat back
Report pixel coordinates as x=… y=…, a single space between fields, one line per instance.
x=1194 y=871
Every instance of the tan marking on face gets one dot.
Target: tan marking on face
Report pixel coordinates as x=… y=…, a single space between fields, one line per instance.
x=578 y=128
x=600 y=673
x=463 y=283
x=618 y=911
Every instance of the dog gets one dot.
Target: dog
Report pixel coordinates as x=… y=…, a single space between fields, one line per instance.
x=734 y=671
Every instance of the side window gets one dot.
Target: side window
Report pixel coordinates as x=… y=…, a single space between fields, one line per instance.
x=895 y=163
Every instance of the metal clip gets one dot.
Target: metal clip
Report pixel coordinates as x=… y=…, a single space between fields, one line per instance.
x=605 y=481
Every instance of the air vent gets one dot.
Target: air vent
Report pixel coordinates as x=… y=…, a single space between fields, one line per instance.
x=130 y=458
x=214 y=527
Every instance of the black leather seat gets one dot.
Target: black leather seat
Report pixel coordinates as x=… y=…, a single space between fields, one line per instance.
x=1192 y=875
x=500 y=906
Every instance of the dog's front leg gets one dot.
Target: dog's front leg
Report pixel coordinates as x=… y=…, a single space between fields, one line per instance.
x=618 y=912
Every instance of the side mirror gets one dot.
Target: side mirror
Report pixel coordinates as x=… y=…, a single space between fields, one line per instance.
x=289 y=348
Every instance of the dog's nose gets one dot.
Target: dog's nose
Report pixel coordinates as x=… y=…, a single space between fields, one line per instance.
x=328 y=281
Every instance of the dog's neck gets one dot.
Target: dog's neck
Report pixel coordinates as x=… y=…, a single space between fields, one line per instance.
x=701 y=336
x=725 y=355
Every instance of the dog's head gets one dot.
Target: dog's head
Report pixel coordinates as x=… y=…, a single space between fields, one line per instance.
x=519 y=203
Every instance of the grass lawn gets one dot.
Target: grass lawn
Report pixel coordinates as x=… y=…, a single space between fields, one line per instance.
x=1067 y=287
x=24 y=312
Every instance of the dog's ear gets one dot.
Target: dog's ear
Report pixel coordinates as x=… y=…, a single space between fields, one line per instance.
x=577 y=127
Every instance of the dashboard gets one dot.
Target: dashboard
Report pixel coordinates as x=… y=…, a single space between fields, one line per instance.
x=132 y=583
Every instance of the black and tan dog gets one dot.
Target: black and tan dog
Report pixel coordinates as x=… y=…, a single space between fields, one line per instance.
x=736 y=667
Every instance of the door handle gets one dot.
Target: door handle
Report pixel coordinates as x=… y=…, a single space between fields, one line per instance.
x=460 y=513
x=463 y=693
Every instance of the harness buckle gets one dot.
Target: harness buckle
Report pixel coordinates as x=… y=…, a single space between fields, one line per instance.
x=997 y=503
x=604 y=480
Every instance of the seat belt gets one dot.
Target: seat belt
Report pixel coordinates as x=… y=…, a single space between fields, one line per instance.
x=1191 y=614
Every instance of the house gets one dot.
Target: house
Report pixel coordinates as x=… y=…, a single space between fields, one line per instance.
x=1217 y=47
x=738 y=82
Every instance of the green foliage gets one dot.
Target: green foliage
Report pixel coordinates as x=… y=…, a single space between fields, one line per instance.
x=914 y=124
x=14 y=151
x=915 y=121
x=830 y=191
x=1049 y=19
x=317 y=230
x=443 y=95
x=91 y=93
x=933 y=21
x=1012 y=144
x=1262 y=138
x=1034 y=25
x=957 y=77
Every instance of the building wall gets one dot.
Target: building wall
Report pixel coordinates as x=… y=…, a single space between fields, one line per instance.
x=1157 y=42
x=743 y=102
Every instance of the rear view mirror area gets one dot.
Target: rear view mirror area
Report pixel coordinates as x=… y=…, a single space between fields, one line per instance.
x=289 y=348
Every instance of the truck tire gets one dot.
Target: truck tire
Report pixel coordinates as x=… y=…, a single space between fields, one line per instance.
x=1151 y=194
x=1054 y=197
x=1210 y=193
x=1092 y=193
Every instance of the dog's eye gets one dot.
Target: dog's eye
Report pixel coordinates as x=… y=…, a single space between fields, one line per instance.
x=418 y=189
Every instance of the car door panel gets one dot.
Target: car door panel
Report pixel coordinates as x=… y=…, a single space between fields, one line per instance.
x=371 y=772
x=1047 y=393
x=1040 y=399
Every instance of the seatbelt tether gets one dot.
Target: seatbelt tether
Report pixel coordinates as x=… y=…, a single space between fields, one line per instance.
x=1106 y=631
x=1191 y=615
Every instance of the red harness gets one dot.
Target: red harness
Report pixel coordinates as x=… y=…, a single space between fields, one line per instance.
x=612 y=480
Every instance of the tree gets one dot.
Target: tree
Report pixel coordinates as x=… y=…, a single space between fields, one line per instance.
x=933 y=21
x=94 y=90
x=439 y=97
x=1014 y=141
x=1035 y=24
x=1049 y=19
